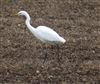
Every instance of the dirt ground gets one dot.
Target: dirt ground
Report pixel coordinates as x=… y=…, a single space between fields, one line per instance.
x=22 y=55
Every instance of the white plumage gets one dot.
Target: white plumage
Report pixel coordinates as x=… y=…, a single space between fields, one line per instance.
x=43 y=33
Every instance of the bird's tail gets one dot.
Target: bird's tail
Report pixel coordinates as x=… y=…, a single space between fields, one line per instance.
x=62 y=40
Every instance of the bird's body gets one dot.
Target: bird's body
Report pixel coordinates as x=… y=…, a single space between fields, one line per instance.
x=47 y=35
x=43 y=33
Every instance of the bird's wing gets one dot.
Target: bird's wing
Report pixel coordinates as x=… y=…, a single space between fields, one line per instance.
x=47 y=34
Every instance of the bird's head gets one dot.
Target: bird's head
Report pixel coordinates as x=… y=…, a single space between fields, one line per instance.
x=23 y=13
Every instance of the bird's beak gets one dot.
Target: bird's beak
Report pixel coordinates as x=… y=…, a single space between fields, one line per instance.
x=16 y=14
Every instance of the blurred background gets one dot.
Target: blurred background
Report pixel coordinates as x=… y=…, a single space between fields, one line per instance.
x=22 y=55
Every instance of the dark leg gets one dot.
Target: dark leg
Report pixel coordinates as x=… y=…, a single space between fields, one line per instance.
x=46 y=54
x=58 y=53
x=45 y=57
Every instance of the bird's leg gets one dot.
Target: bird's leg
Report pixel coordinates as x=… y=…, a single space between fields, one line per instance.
x=58 y=51
x=45 y=57
x=52 y=47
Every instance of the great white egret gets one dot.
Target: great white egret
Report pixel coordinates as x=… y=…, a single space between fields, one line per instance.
x=43 y=33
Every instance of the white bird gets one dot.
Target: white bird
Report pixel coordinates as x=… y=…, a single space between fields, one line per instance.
x=43 y=33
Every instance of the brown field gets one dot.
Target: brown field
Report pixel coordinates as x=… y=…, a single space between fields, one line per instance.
x=22 y=55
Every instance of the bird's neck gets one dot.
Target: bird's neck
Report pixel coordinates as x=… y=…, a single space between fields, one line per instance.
x=32 y=29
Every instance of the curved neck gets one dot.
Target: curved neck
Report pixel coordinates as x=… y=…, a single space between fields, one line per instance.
x=32 y=29
x=27 y=17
